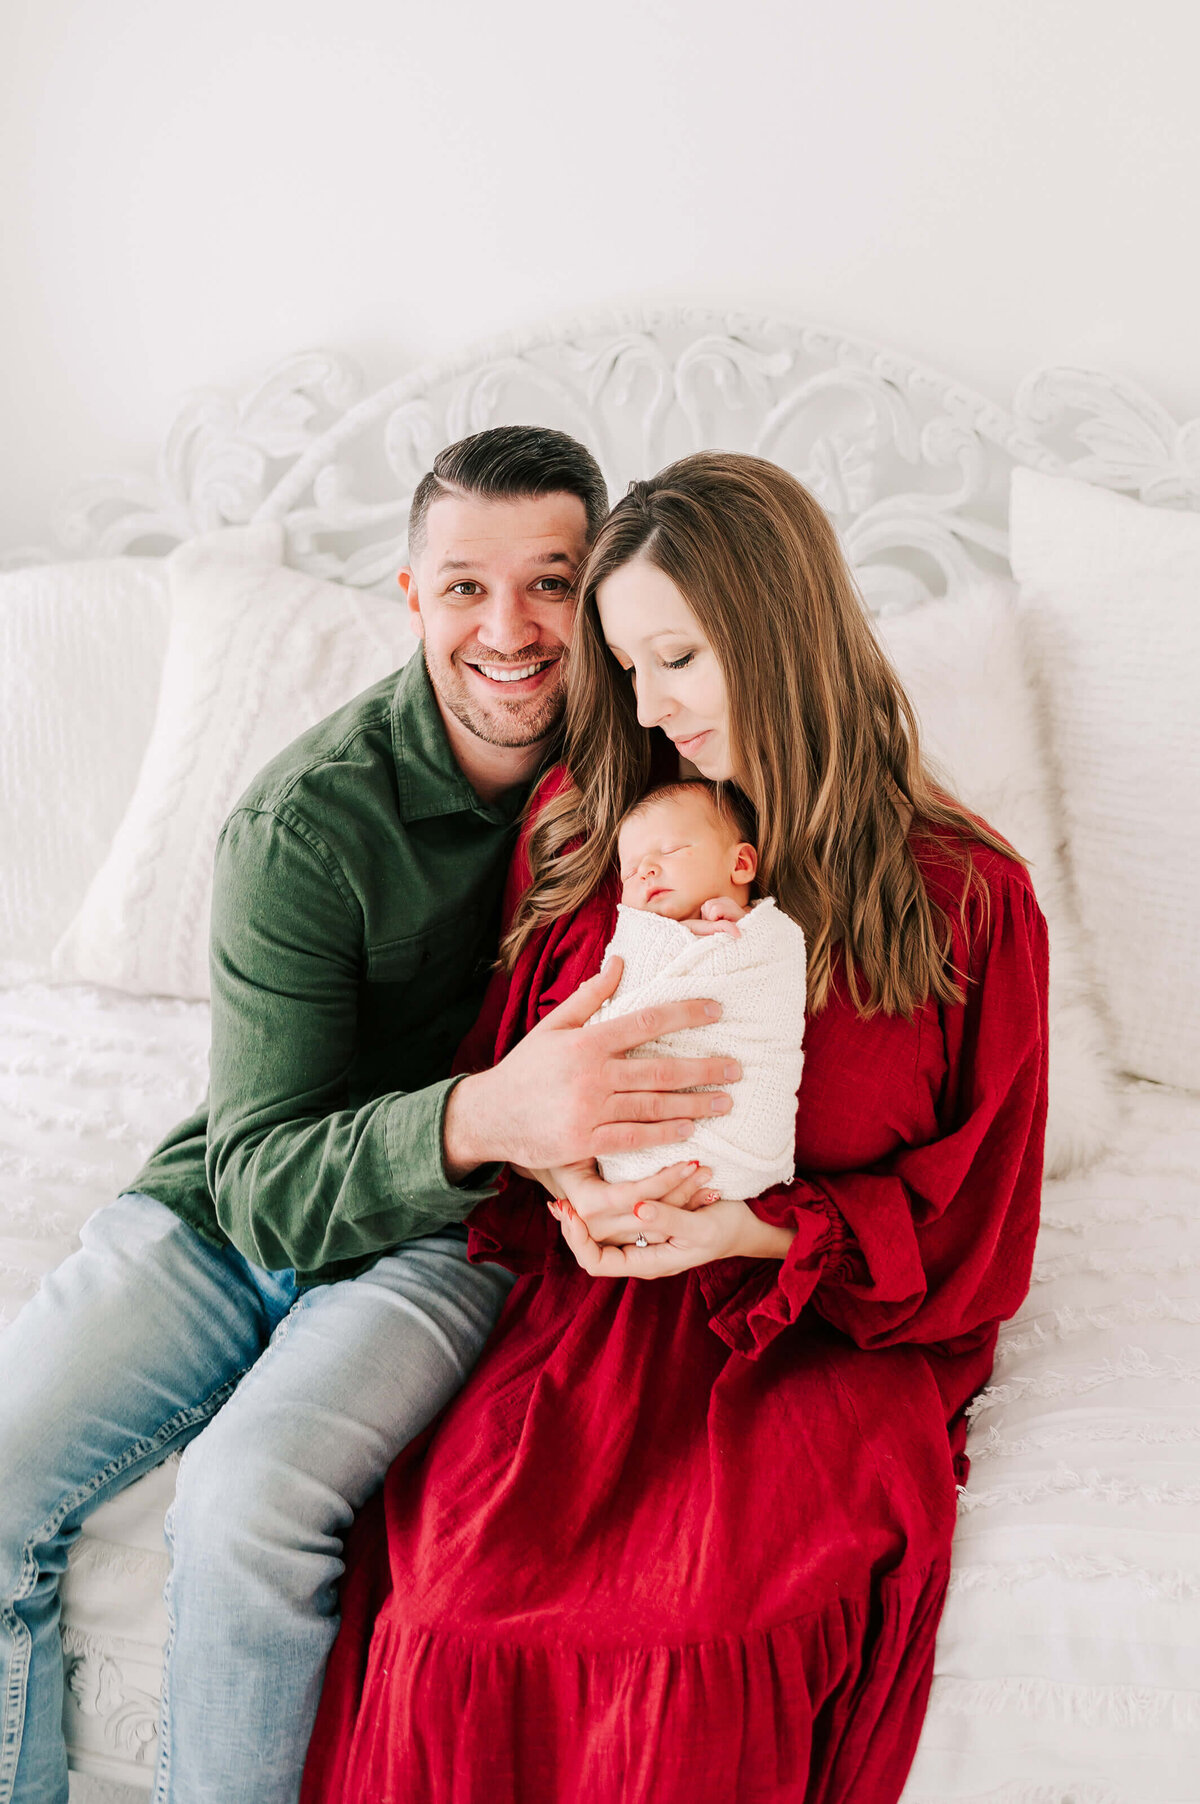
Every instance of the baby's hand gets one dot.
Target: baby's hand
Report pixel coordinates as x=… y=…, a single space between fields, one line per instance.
x=720 y=915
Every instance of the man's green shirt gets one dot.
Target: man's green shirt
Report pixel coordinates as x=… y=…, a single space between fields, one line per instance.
x=355 y=919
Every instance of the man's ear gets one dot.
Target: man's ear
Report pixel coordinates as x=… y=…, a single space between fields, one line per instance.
x=745 y=863
x=408 y=582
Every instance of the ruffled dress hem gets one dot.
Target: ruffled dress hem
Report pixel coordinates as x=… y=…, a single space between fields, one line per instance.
x=825 y=1707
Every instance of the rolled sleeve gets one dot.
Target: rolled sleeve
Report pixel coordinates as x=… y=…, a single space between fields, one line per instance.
x=416 y=1145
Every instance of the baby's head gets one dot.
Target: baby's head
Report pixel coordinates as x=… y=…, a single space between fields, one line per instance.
x=681 y=846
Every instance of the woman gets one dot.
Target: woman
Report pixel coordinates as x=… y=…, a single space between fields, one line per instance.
x=689 y=1539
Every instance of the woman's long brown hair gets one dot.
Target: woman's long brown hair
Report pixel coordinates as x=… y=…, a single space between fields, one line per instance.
x=824 y=738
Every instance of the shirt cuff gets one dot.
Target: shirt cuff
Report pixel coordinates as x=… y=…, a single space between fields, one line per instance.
x=416 y=1153
x=753 y=1300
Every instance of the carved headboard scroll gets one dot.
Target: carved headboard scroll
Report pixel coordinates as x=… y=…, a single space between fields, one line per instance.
x=912 y=467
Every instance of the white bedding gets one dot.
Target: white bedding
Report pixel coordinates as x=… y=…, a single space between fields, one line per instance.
x=1068 y=1661
x=89 y=1080
x=1068 y=1666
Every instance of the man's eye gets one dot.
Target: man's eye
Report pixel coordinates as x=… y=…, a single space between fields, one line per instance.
x=679 y=663
x=558 y=583
x=467 y=586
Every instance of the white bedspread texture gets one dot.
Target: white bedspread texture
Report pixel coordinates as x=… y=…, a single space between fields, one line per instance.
x=759 y=980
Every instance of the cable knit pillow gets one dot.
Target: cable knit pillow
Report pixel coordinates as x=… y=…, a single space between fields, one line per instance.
x=256 y=653
x=962 y=666
x=81 y=650
x=1110 y=595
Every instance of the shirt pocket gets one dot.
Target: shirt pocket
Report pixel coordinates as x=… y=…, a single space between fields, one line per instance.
x=437 y=967
x=447 y=953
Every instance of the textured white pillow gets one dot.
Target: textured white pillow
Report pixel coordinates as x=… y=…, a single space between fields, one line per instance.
x=256 y=654
x=1110 y=596
x=962 y=666
x=81 y=650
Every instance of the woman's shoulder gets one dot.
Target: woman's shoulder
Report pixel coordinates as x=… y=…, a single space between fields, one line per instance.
x=942 y=854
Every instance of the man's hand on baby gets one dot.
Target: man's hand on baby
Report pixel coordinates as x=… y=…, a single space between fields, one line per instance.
x=721 y=915
x=568 y=1092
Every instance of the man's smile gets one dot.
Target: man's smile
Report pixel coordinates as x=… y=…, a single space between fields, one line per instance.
x=519 y=679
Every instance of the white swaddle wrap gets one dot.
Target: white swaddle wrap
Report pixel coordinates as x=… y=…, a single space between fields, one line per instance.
x=759 y=980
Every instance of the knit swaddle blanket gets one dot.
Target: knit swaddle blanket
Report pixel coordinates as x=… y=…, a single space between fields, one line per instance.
x=759 y=980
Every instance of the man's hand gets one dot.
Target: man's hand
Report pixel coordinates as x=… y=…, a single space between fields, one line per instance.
x=567 y=1092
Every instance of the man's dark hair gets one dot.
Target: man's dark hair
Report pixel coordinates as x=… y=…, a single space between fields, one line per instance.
x=511 y=463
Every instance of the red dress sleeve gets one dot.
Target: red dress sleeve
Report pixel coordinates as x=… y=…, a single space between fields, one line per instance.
x=932 y=1242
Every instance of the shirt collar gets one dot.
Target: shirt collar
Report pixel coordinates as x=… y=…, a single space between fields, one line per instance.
x=429 y=779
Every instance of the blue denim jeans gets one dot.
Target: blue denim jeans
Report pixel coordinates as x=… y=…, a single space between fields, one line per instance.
x=291 y=1407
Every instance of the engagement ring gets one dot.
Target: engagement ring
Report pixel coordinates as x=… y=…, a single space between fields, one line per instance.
x=641 y=1241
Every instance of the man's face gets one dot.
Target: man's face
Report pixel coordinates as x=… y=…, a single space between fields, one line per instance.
x=488 y=593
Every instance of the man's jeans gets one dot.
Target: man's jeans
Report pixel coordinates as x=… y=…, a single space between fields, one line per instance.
x=129 y=1350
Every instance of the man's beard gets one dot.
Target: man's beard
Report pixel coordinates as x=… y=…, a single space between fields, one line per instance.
x=514 y=724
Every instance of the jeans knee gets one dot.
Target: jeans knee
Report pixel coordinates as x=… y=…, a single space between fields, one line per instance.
x=241 y=1511
x=27 y=1509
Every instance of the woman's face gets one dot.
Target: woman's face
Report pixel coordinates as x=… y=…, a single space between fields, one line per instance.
x=679 y=685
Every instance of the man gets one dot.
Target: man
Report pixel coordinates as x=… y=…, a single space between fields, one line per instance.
x=283 y=1288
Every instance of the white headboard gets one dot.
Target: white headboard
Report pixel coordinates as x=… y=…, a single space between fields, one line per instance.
x=912 y=467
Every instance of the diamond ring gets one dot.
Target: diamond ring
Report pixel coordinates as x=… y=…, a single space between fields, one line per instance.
x=641 y=1241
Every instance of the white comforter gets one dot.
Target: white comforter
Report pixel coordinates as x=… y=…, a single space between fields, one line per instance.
x=758 y=977
x=1068 y=1663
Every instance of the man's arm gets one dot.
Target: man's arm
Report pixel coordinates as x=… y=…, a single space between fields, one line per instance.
x=300 y=1179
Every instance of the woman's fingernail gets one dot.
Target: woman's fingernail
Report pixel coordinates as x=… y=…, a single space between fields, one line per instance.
x=712 y=1196
x=644 y=1211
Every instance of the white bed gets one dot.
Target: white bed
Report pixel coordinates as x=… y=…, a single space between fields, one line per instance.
x=1068 y=1664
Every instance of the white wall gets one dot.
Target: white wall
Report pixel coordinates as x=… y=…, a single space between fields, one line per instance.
x=193 y=191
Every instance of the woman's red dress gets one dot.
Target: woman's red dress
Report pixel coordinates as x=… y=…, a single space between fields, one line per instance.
x=687 y=1541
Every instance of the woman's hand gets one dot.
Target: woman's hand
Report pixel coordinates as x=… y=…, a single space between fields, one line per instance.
x=607 y=1210
x=683 y=1238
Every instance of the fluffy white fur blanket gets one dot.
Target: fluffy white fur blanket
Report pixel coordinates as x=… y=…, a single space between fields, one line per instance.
x=759 y=980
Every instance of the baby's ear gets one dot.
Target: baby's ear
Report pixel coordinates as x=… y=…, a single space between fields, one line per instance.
x=745 y=863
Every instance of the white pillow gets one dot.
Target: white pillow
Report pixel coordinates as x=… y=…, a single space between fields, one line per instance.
x=962 y=667
x=256 y=654
x=1110 y=595
x=81 y=649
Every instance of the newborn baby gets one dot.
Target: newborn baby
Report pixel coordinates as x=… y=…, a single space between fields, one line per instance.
x=686 y=927
x=683 y=857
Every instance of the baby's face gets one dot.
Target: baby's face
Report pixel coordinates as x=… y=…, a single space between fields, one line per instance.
x=678 y=854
